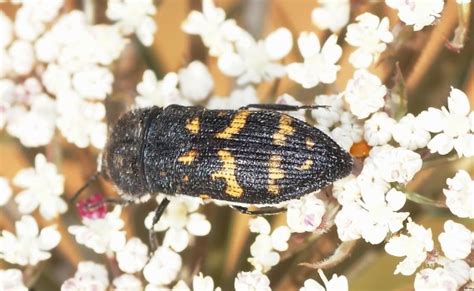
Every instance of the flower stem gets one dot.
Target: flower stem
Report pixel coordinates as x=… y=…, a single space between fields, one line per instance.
x=438 y=160
x=420 y=199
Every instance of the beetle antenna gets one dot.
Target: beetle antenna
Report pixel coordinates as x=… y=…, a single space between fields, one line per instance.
x=87 y=184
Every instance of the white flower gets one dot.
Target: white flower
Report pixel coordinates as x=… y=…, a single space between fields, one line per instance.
x=346 y=190
x=12 y=280
x=419 y=13
x=180 y=221
x=319 y=64
x=264 y=249
x=337 y=283
x=378 y=129
x=195 y=81
x=330 y=115
x=163 y=267
x=27 y=26
x=133 y=257
x=109 y=43
x=30 y=246
x=257 y=61
x=22 y=57
x=369 y=180
x=89 y=276
x=370 y=35
x=56 y=79
x=434 y=279
x=452 y=276
x=216 y=33
x=93 y=83
x=251 y=281
x=159 y=93
x=364 y=93
x=127 y=282
x=42 y=10
x=460 y=195
x=395 y=164
x=101 y=235
x=34 y=127
x=379 y=215
x=5 y=191
x=237 y=99
x=414 y=247
x=47 y=48
x=459 y=270
x=43 y=188
x=305 y=214
x=201 y=283
x=74 y=110
x=349 y=131
x=451 y=125
x=332 y=15
x=409 y=133
x=348 y=222
x=6 y=30
x=134 y=16
x=456 y=240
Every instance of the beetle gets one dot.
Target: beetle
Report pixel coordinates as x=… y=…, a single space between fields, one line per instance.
x=255 y=156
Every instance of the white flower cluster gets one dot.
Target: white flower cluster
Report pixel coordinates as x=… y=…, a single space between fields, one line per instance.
x=103 y=235
x=239 y=54
x=54 y=69
x=332 y=15
x=446 y=273
x=43 y=188
x=267 y=244
x=134 y=16
x=369 y=204
x=195 y=84
x=460 y=195
x=418 y=13
x=453 y=126
x=30 y=245
x=12 y=279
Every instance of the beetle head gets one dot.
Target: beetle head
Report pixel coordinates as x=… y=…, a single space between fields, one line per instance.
x=122 y=160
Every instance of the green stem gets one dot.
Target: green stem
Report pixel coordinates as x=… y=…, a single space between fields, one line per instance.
x=438 y=160
x=420 y=199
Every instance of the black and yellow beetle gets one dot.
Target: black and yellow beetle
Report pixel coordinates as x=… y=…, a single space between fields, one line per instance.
x=254 y=156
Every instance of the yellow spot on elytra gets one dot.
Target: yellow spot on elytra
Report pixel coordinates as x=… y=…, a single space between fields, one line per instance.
x=228 y=174
x=185 y=179
x=188 y=157
x=284 y=129
x=193 y=125
x=275 y=172
x=309 y=143
x=237 y=123
x=306 y=165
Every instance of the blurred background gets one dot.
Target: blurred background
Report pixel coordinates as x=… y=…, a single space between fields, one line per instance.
x=428 y=66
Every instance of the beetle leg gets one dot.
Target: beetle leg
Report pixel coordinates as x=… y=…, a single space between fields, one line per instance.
x=260 y=211
x=158 y=213
x=282 y=107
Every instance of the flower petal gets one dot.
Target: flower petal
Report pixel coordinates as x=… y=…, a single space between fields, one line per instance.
x=308 y=43
x=279 y=43
x=231 y=64
x=458 y=102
